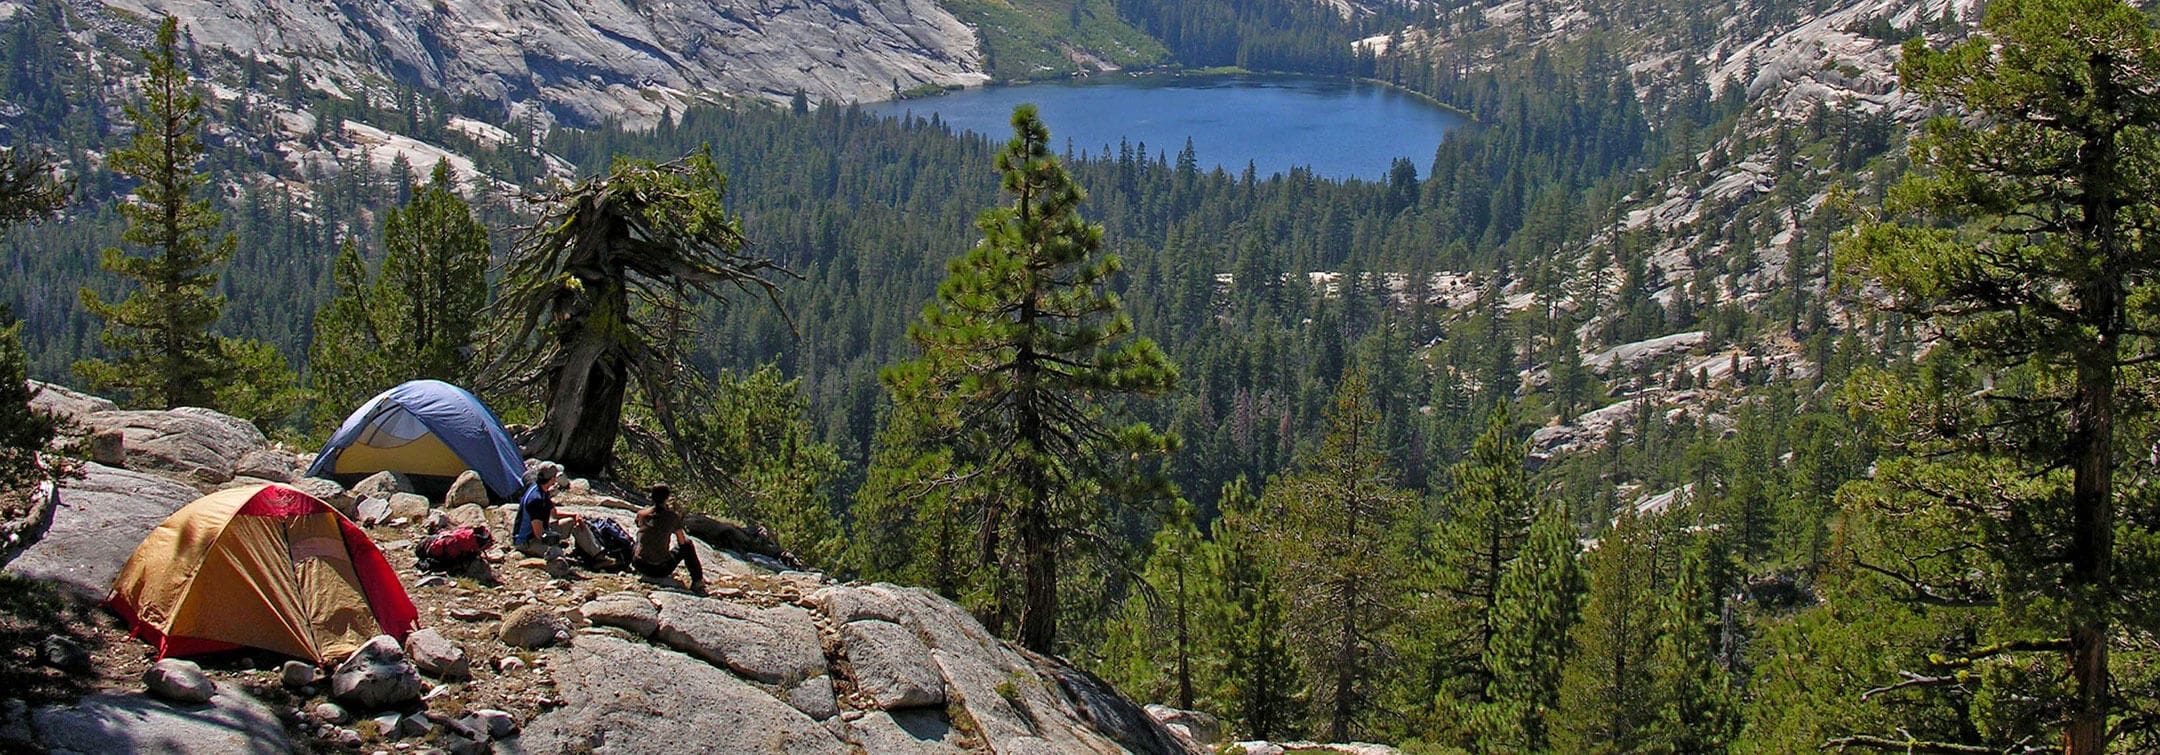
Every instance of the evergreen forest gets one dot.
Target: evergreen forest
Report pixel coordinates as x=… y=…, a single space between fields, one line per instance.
x=1466 y=458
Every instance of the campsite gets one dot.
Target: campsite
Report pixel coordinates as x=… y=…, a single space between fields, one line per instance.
x=512 y=653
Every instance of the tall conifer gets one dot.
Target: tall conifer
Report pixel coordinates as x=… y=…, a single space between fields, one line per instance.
x=1608 y=697
x=1539 y=599
x=1025 y=343
x=166 y=355
x=1342 y=551
x=2030 y=247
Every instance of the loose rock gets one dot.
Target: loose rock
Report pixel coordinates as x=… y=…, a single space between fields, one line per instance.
x=65 y=654
x=409 y=506
x=178 y=681
x=331 y=493
x=297 y=674
x=109 y=447
x=377 y=676
x=331 y=713
x=383 y=485
x=469 y=515
x=532 y=627
x=374 y=511
x=467 y=489
x=497 y=724
x=1202 y=728
x=435 y=655
x=415 y=726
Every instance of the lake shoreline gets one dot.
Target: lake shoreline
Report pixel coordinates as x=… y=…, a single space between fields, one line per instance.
x=1337 y=127
x=930 y=91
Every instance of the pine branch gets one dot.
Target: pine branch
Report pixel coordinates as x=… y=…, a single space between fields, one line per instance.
x=1906 y=745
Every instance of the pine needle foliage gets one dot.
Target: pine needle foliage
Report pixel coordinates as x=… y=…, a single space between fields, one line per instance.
x=165 y=353
x=1022 y=356
x=2027 y=238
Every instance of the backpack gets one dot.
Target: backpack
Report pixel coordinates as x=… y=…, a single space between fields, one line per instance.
x=614 y=541
x=452 y=548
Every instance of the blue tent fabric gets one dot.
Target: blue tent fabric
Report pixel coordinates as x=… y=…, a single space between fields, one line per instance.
x=454 y=415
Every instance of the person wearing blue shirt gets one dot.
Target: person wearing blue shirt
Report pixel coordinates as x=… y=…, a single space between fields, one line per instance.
x=539 y=526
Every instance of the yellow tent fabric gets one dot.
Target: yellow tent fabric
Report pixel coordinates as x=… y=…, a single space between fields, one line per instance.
x=425 y=455
x=263 y=566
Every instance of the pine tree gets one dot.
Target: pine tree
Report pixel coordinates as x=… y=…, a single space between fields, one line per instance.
x=1156 y=643
x=161 y=332
x=347 y=362
x=1608 y=700
x=24 y=432
x=433 y=286
x=1026 y=342
x=1689 y=660
x=913 y=520
x=756 y=426
x=2028 y=249
x=1260 y=674
x=1479 y=529
x=418 y=318
x=1539 y=599
x=653 y=235
x=28 y=191
x=1343 y=552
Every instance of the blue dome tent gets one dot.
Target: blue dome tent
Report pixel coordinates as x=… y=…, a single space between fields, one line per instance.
x=425 y=429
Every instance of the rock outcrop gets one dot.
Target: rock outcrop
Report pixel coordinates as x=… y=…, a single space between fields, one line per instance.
x=774 y=660
x=197 y=445
x=231 y=723
x=620 y=695
x=102 y=516
x=593 y=62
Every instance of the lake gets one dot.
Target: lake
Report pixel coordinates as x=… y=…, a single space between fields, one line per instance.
x=1340 y=128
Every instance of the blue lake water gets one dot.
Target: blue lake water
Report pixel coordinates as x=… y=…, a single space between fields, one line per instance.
x=1339 y=128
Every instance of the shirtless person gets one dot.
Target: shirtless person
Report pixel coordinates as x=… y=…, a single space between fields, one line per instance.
x=661 y=543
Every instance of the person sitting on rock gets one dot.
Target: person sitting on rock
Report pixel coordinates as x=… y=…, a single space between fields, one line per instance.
x=539 y=526
x=661 y=544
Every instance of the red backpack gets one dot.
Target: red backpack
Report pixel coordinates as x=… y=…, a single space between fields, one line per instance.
x=451 y=548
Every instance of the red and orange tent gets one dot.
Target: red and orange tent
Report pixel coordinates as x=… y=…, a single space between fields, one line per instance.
x=263 y=566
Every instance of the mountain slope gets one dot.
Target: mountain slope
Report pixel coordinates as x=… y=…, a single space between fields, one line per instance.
x=591 y=62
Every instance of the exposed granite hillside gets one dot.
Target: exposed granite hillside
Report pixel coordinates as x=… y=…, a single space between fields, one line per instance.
x=526 y=655
x=589 y=62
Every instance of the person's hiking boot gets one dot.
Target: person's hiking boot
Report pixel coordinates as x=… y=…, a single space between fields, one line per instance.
x=697 y=587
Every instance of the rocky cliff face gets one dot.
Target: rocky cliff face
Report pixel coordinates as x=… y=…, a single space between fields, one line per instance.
x=588 y=62
x=545 y=657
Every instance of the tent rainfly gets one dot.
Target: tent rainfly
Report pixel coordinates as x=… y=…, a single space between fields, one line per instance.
x=262 y=566
x=424 y=428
